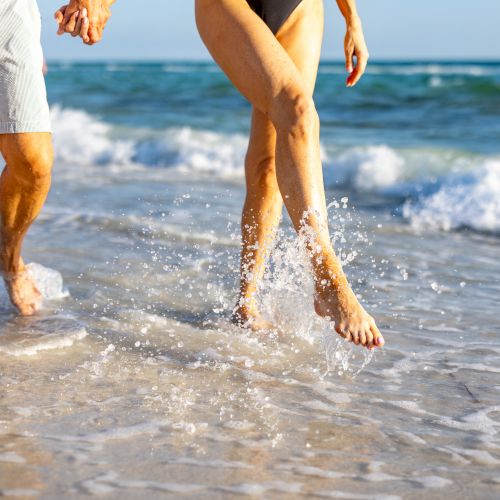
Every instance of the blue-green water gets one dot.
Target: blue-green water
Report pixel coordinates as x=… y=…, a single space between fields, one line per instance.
x=134 y=383
x=420 y=131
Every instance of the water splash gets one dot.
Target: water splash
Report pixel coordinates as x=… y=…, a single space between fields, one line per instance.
x=344 y=358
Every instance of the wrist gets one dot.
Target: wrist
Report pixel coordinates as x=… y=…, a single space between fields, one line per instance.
x=353 y=21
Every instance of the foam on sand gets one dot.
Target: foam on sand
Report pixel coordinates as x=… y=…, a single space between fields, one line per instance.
x=40 y=335
x=49 y=282
x=29 y=336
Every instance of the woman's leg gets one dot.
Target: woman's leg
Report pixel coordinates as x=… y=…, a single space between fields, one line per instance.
x=263 y=203
x=260 y=218
x=262 y=70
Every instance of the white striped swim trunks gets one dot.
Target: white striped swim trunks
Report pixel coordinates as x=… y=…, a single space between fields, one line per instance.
x=23 y=97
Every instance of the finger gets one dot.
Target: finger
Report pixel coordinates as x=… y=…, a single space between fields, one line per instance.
x=84 y=30
x=59 y=14
x=70 y=26
x=349 y=54
x=67 y=15
x=94 y=34
x=59 y=17
x=358 y=71
x=78 y=25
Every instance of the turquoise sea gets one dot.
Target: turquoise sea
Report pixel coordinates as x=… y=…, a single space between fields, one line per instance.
x=132 y=382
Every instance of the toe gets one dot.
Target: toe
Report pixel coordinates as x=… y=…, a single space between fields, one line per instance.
x=369 y=337
x=362 y=336
x=378 y=339
x=355 y=337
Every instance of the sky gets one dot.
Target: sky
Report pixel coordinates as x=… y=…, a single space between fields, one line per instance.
x=394 y=29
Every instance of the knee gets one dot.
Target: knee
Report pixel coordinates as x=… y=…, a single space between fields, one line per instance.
x=293 y=112
x=31 y=163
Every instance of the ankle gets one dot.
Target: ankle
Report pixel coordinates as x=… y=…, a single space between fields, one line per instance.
x=11 y=266
x=328 y=272
x=12 y=275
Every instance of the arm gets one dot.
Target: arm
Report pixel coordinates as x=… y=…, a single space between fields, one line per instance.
x=354 y=43
x=71 y=18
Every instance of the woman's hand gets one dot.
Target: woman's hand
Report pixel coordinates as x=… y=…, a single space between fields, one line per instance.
x=355 y=47
x=77 y=25
x=98 y=14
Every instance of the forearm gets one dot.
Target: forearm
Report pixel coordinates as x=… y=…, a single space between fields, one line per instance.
x=92 y=5
x=349 y=11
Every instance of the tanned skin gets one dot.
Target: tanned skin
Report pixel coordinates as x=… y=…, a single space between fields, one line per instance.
x=25 y=180
x=283 y=165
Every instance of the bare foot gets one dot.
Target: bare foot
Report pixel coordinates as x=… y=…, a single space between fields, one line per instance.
x=23 y=291
x=247 y=315
x=339 y=304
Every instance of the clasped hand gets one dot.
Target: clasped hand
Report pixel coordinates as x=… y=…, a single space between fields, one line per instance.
x=83 y=18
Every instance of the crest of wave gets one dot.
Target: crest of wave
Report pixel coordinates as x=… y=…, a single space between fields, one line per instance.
x=80 y=139
x=200 y=151
x=469 y=200
x=366 y=168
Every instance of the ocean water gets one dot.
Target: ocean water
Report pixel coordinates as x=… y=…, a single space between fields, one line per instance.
x=132 y=381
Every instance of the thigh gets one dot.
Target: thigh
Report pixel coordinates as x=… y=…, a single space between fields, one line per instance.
x=301 y=38
x=247 y=51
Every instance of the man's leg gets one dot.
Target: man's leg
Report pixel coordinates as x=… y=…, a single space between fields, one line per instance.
x=24 y=185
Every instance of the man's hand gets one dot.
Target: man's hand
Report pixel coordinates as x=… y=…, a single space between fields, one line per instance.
x=78 y=24
x=355 y=47
x=98 y=13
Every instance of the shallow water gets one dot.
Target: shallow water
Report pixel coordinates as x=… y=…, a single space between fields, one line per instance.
x=133 y=382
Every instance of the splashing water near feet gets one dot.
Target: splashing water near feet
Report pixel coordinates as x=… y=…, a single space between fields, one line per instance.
x=285 y=296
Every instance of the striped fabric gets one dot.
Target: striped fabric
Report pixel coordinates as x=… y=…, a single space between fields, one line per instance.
x=23 y=98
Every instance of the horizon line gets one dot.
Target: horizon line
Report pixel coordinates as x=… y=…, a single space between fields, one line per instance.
x=324 y=60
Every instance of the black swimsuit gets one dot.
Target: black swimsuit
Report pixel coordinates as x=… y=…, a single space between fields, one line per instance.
x=274 y=12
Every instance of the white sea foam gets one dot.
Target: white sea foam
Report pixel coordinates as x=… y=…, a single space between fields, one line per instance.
x=464 y=200
x=49 y=282
x=464 y=187
x=191 y=150
x=109 y=482
x=37 y=335
x=366 y=168
x=81 y=139
x=116 y=433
